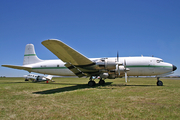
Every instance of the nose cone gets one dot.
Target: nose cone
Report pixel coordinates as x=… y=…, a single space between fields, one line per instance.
x=174 y=67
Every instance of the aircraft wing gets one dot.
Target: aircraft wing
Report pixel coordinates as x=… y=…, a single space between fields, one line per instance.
x=66 y=53
x=75 y=61
x=18 y=67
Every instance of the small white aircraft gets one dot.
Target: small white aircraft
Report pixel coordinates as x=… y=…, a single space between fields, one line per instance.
x=37 y=78
x=72 y=63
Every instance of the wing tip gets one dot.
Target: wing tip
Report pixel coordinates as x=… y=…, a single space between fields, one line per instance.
x=55 y=40
x=4 y=65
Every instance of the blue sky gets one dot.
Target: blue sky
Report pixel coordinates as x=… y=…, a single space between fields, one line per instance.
x=95 y=28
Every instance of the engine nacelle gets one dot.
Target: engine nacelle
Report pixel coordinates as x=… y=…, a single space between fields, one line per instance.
x=121 y=68
x=108 y=64
x=112 y=76
x=104 y=75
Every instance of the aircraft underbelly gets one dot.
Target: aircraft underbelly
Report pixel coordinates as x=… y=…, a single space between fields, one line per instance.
x=145 y=71
x=141 y=71
x=59 y=72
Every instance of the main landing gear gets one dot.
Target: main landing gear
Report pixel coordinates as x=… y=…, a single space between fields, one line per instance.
x=159 y=82
x=92 y=83
x=101 y=82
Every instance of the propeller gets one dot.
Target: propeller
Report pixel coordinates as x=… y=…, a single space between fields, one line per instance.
x=118 y=64
x=125 y=70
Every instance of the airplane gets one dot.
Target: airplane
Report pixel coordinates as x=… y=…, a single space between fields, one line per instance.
x=37 y=78
x=73 y=63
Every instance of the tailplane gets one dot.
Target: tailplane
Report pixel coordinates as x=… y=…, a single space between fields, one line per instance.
x=30 y=55
x=49 y=77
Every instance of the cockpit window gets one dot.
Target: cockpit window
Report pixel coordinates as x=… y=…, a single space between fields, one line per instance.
x=158 y=61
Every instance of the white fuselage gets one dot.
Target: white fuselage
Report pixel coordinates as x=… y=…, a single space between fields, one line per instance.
x=139 y=66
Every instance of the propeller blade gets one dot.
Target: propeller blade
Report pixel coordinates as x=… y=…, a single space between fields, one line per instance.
x=125 y=76
x=125 y=70
x=118 y=70
x=117 y=66
x=124 y=63
x=117 y=56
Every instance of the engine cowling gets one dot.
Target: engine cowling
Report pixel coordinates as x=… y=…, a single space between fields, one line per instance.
x=112 y=76
x=121 y=68
x=108 y=64
x=104 y=75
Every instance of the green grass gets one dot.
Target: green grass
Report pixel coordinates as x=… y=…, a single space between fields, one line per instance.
x=71 y=98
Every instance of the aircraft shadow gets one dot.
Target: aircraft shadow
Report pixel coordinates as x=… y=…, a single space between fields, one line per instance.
x=11 y=82
x=69 y=88
x=29 y=82
x=122 y=85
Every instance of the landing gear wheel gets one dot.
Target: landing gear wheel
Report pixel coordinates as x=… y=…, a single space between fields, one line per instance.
x=26 y=80
x=101 y=82
x=91 y=83
x=159 y=83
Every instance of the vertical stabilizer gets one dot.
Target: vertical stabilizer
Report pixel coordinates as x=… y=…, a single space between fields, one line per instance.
x=30 y=55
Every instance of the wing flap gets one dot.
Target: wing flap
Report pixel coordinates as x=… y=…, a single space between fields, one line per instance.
x=18 y=67
x=75 y=70
x=66 y=53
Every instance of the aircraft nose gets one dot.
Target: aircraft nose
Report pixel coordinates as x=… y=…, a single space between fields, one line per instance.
x=174 y=67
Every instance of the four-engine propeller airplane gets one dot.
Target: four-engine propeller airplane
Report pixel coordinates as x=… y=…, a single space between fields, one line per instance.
x=73 y=63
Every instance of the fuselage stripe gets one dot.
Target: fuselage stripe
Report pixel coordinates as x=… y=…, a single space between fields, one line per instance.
x=30 y=55
x=126 y=66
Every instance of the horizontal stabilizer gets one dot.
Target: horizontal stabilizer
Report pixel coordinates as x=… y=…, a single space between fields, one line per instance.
x=49 y=77
x=66 y=53
x=18 y=67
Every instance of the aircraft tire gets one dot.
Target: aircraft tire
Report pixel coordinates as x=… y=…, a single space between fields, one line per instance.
x=26 y=80
x=91 y=83
x=101 y=82
x=159 y=83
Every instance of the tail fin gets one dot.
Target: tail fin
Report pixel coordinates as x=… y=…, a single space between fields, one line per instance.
x=30 y=55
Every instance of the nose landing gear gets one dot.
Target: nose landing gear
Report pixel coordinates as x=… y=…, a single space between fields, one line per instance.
x=159 y=82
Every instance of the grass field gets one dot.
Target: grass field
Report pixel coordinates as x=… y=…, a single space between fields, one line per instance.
x=71 y=98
